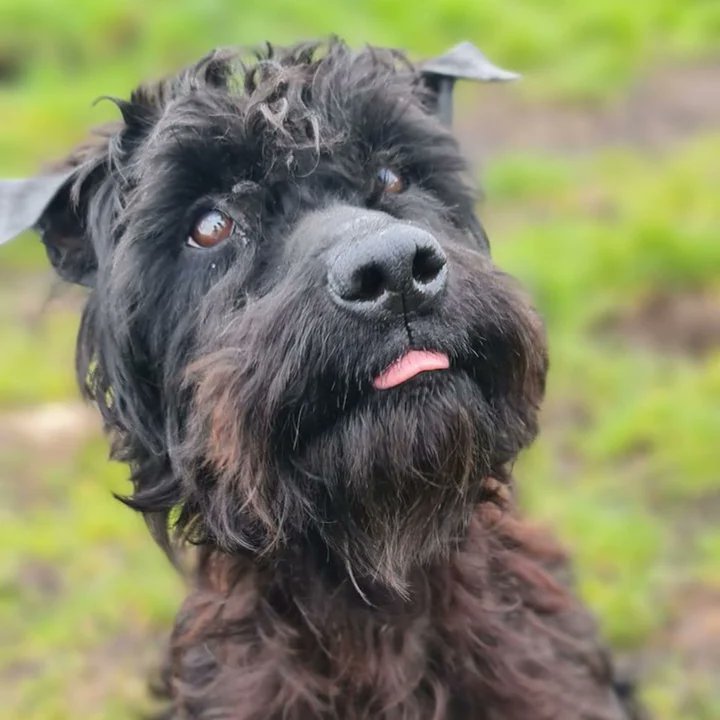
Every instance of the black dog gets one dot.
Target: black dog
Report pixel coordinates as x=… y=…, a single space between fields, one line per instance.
x=299 y=343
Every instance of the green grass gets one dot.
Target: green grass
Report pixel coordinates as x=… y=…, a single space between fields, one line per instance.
x=625 y=470
x=60 y=56
x=82 y=594
x=617 y=225
x=627 y=461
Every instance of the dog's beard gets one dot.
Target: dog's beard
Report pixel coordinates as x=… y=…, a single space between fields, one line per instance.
x=386 y=484
x=399 y=475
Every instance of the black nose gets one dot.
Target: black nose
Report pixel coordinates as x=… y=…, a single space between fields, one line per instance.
x=397 y=270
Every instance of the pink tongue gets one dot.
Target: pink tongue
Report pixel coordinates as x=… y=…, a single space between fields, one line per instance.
x=412 y=363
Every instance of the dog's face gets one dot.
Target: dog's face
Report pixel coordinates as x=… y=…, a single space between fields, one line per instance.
x=295 y=331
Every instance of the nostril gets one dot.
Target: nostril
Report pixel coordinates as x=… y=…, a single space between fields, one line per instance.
x=396 y=270
x=367 y=283
x=427 y=265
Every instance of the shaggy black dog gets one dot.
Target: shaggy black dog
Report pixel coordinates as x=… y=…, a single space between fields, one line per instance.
x=299 y=343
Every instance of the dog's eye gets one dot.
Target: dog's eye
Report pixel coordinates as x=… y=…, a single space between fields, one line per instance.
x=210 y=229
x=389 y=181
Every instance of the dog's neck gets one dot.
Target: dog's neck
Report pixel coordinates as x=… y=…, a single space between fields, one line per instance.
x=285 y=572
x=491 y=611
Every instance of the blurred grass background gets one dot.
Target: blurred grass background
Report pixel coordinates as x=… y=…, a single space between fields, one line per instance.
x=602 y=181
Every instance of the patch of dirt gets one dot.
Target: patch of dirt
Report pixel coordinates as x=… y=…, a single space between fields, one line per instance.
x=51 y=427
x=671 y=104
x=672 y=323
x=39 y=578
x=30 y=297
x=688 y=646
x=11 y=67
x=35 y=437
x=694 y=631
x=120 y=668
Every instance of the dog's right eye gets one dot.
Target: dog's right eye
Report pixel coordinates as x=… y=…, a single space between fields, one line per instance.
x=210 y=229
x=390 y=181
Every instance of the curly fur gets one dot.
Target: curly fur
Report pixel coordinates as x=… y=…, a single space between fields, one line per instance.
x=359 y=554
x=489 y=634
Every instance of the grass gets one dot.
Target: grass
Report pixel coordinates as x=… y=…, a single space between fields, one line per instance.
x=626 y=467
x=62 y=55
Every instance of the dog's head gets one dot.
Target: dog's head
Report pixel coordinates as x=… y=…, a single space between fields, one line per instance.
x=294 y=330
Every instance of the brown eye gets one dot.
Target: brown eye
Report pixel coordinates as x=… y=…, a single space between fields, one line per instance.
x=210 y=229
x=389 y=181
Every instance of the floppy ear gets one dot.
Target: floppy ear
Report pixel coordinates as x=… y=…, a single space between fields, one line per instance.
x=44 y=203
x=462 y=62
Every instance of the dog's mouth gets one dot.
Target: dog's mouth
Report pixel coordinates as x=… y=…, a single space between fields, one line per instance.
x=438 y=381
x=408 y=366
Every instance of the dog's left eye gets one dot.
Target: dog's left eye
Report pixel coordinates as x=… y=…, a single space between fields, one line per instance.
x=210 y=229
x=389 y=181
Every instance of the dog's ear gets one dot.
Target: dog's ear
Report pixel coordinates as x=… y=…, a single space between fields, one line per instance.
x=462 y=62
x=46 y=204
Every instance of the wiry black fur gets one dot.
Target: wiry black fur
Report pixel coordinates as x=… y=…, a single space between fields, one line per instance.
x=289 y=144
x=241 y=397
